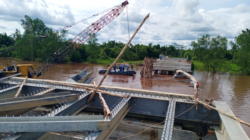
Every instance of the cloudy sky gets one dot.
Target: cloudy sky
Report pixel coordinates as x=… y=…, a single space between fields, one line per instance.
x=171 y=21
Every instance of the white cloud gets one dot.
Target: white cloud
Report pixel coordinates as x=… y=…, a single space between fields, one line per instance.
x=241 y=8
x=179 y=21
x=53 y=14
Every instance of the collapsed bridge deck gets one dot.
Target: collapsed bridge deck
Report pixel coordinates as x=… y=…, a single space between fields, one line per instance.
x=140 y=103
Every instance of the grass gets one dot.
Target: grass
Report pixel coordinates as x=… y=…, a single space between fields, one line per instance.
x=198 y=65
x=231 y=67
x=109 y=61
x=135 y=62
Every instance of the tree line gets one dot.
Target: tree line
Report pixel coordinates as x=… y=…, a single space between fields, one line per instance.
x=213 y=52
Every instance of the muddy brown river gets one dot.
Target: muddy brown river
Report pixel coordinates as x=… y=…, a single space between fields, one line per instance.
x=233 y=89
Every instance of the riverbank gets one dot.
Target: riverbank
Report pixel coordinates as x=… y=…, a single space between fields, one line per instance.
x=111 y=60
x=229 y=67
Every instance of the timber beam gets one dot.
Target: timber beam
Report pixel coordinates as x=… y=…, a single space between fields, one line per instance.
x=118 y=90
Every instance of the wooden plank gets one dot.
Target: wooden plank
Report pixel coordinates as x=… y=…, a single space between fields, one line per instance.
x=20 y=88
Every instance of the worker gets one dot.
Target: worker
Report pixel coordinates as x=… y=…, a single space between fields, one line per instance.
x=131 y=66
x=197 y=85
x=188 y=60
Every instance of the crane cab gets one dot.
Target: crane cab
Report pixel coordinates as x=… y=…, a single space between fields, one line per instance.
x=27 y=70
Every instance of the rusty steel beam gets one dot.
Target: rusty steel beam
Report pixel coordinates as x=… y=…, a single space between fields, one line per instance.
x=34 y=101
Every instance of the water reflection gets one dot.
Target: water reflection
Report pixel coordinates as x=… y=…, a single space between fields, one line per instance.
x=146 y=83
x=122 y=80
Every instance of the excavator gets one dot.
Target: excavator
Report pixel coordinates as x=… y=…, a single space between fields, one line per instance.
x=30 y=71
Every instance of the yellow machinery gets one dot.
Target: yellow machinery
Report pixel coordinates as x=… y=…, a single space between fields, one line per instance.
x=26 y=70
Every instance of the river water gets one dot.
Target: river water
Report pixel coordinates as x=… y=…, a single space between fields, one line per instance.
x=233 y=89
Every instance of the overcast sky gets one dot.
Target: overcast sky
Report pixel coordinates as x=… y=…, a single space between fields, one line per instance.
x=171 y=21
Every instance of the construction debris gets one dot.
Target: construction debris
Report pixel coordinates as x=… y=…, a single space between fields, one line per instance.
x=147 y=68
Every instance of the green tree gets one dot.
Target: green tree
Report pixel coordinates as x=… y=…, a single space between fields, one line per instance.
x=6 y=40
x=76 y=57
x=93 y=49
x=171 y=51
x=242 y=57
x=129 y=55
x=210 y=51
x=143 y=52
x=41 y=49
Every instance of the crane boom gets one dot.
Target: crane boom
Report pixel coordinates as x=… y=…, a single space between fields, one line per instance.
x=81 y=38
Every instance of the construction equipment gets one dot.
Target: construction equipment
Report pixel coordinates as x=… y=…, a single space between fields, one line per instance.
x=26 y=70
x=29 y=70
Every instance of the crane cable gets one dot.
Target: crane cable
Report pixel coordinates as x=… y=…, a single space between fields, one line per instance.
x=128 y=25
x=82 y=20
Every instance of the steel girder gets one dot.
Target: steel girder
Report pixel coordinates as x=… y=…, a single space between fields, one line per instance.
x=70 y=108
x=34 y=101
x=169 y=121
x=7 y=77
x=8 y=91
x=57 y=123
x=132 y=92
x=118 y=113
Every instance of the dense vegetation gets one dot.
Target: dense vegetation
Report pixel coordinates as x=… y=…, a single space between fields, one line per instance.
x=207 y=53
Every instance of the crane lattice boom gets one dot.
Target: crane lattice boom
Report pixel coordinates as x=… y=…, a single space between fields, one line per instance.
x=81 y=38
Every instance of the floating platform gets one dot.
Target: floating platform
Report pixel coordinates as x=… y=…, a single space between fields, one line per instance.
x=129 y=73
x=166 y=65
